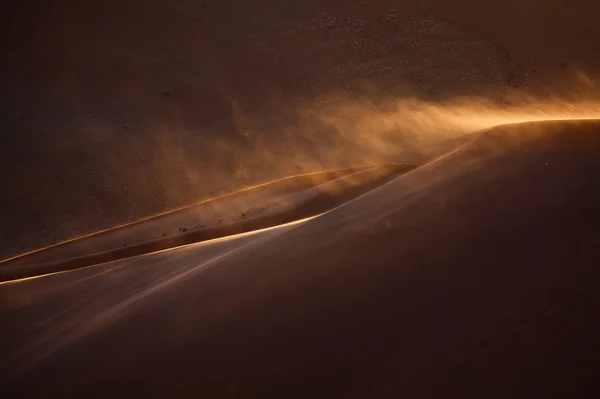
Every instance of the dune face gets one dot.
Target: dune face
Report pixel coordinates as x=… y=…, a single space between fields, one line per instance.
x=475 y=275
x=546 y=43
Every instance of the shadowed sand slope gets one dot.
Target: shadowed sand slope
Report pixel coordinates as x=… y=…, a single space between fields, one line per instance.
x=475 y=275
x=546 y=44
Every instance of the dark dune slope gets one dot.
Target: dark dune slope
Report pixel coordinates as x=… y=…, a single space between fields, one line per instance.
x=474 y=276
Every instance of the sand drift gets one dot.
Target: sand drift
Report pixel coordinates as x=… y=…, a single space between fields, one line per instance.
x=440 y=281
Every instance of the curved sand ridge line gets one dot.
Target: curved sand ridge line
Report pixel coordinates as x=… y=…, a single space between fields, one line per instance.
x=282 y=185
x=260 y=207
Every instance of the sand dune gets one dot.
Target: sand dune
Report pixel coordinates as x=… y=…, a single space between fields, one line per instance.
x=475 y=275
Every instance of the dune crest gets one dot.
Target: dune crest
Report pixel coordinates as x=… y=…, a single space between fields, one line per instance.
x=481 y=260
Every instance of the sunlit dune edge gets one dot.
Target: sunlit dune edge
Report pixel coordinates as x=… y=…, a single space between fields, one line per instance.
x=267 y=206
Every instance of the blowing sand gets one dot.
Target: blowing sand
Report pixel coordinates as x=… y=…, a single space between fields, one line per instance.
x=121 y=110
x=475 y=275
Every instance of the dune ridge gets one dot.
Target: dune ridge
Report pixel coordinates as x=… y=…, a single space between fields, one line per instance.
x=461 y=278
x=260 y=207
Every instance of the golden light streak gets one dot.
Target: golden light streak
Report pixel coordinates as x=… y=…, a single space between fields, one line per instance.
x=193 y=245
